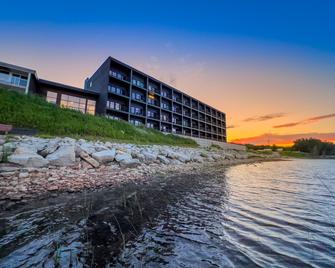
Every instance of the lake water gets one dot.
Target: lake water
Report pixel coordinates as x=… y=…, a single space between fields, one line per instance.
x=272 y=214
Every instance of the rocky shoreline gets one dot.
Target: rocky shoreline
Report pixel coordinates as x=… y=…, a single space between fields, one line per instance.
x=38 y=168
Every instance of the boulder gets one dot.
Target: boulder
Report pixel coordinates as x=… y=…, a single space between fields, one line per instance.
x=94 y=163
x=129 y=163
x=50 y=148
x=104 y=156
x=28 y=159
x=2 y=141
x=163 y=159
x=122 y=157
x=9 y=147
x=148 y=156
x=87 y=147
x=63 y=156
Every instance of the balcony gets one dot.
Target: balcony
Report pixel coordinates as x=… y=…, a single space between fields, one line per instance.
x=176 y=98
x=153 y=89
x=176 y=121
x=166 y=95
x=176 y=110
x=136 y=111
x=137 y=96
x=138 y=83
x=116 y=106
x=152 y=115
x=118 y=75
x=166 y=106
x=186 y=113
x=117 y=90
x=153 y=102
x=13 y=79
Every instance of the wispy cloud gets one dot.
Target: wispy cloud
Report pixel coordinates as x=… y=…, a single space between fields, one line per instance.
x=306 y=121
x=232 y=126
x=269 y=138
x=264 y=117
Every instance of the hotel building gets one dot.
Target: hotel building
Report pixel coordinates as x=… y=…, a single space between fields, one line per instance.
x=120 y=92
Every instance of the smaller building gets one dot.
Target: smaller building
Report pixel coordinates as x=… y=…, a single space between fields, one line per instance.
x=18 y=78
x=25 y=80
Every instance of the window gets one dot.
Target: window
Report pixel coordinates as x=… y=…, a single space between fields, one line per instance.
x=4 y=76
x=136 y=110
x=52 y=97
x=72 y=102
x=90 y=109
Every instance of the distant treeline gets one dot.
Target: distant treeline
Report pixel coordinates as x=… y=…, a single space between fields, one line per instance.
x=311 y=146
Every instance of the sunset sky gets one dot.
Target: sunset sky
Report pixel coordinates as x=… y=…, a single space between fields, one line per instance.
x=269 y=65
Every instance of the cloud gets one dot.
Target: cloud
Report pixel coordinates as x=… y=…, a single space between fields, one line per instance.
x=232 y=126
x=264 y=117
x=306 y=121
x=269 y=138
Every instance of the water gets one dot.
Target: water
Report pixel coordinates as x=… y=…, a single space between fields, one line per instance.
x=273 y=214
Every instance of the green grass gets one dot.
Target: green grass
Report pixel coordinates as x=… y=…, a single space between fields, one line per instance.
x=33 y=112
x=295 y=154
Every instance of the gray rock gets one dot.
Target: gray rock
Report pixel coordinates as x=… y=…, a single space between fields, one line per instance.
x=9 y=147
x=94 y=163
x=104 y=156
x=129 y=163
x=2 y=141
x=204 y=154
x=50 y=148
x=87 y=147
x=122 y=157
x=163 y=159
x=28 y=160
x=175 y=162
x=148 y=156
x=63 y=156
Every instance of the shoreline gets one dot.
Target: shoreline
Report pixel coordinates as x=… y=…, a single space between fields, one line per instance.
x=44 y=183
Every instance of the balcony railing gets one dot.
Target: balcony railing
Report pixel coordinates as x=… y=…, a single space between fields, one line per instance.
x=137 y=96
x=154 y=89
x=165 y=106
x=118 y=75
x=176 y=110
x=136 y=111
x=138 y=83
x=15 y=80
x=166 y=95
x=187 y=113
x=116 y=106
x=175 y=98
x=116 y=90
x=152 y=115
x=153 y=102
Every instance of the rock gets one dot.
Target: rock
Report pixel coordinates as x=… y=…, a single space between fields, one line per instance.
x=198 y=159
x=23 y=175
x=122 y=157
x=28 y=160
x=87 y=147
x=129 y=163
x=9 y=147
x=1 y=155
x=148 y=156
x=22 y=188
x=104 y=156
x=163 y=159
x=63 y=156
x=204 y=154
x=94 y=163
x=52 y=188
x=50 y=148
x=2 y=141
x=175 y=162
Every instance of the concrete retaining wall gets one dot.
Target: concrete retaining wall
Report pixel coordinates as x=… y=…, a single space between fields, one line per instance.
x=223 y=145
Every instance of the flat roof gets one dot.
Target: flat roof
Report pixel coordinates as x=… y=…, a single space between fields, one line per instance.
x=16 y=67
x=67 y=87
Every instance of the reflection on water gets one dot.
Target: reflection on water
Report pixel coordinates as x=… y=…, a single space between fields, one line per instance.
x=278 y=214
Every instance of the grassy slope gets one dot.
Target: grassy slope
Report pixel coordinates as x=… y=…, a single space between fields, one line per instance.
x=33 y=112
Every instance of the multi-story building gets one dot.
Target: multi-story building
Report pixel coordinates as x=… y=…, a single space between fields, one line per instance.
x=119 y=91
x=131 y=95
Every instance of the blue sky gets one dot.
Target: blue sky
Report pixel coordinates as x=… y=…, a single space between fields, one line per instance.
x=247 y=58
